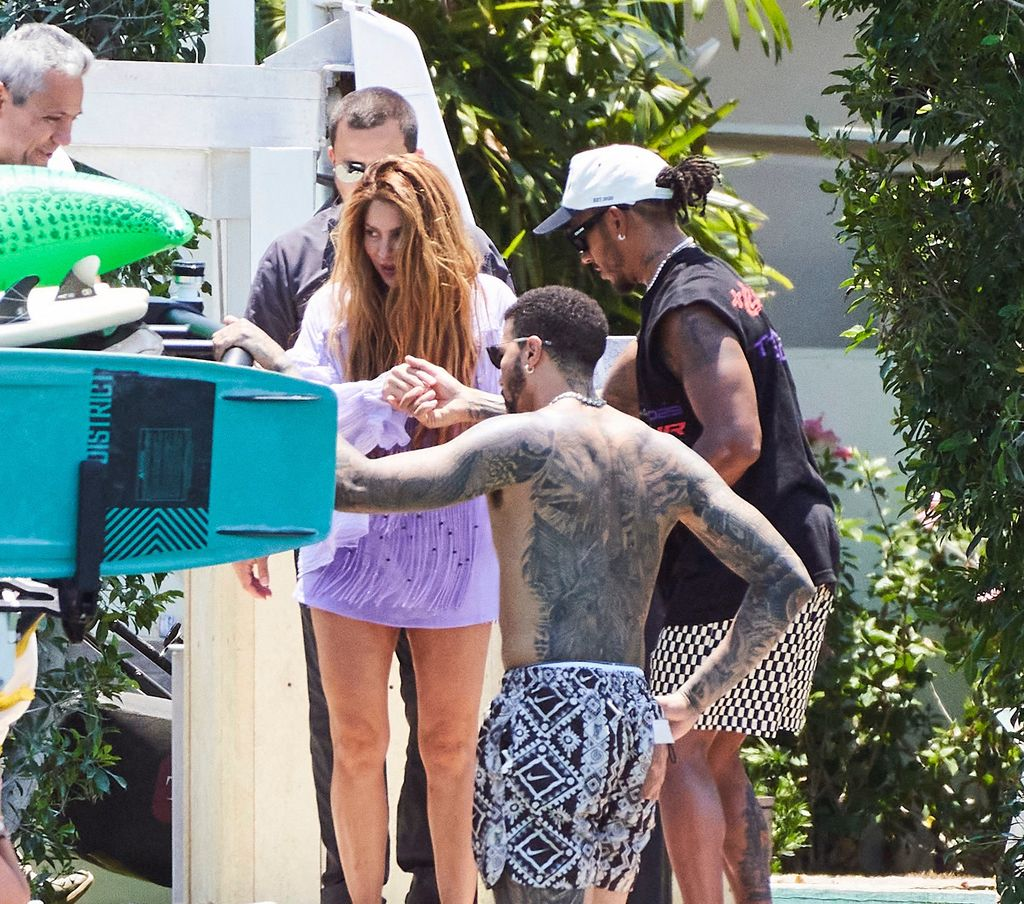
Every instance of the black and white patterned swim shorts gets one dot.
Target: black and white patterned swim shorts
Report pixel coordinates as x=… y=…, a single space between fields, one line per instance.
x=770 y=699
x=561 y=761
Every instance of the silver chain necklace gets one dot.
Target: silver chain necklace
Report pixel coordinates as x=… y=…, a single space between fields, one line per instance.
x=579 y=397
x=685 y=243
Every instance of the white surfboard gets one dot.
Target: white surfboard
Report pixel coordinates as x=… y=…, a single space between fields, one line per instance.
x=50 y=319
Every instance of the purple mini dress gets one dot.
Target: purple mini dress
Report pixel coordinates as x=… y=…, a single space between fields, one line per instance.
x=434 y=569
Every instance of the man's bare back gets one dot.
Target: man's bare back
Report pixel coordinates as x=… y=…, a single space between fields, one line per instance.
x=586 y=530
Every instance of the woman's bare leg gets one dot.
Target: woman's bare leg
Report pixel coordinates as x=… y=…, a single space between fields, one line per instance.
x=355 y=661
x=449 y=664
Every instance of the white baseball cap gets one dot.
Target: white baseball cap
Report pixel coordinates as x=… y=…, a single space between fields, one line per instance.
x=618 y=174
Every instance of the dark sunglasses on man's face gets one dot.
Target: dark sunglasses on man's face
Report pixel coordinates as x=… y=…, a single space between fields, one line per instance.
x=496 y=352
x=578 y=236
x=349 y=171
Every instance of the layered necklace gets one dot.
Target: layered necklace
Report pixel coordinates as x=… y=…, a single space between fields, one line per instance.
x=579 y=397
x=685 y=243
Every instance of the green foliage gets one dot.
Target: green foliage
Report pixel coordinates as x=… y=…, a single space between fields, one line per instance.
x=270 y=27
x=49 y=761
x=149 y=30
x=933 y=209
x=880 y=759
x=780 y=773
x=523 y=85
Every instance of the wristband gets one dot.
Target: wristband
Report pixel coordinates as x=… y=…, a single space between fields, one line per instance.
x=663 y=732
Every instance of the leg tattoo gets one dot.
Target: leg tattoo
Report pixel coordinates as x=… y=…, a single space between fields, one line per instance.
x=754 y=867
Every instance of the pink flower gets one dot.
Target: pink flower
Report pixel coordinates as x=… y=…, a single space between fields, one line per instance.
x=821 y=438
x=929 y=518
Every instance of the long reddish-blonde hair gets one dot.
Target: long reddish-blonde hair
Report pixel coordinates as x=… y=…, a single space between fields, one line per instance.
x=428 y=310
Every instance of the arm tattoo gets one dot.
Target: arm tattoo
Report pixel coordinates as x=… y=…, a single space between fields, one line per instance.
x=479 y=461
x=484 y=406
x=692 y=339
x=747 y=544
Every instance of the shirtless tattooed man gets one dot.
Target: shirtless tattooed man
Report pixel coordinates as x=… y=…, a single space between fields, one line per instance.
x=581 y=499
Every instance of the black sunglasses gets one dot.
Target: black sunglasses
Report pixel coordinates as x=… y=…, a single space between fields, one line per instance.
x=578 y=236
x=496 y=352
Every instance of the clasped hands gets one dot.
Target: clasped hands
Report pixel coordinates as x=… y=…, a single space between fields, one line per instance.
x=426 y=392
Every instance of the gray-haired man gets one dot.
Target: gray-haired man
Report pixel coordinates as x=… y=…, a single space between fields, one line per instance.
x=41 y=69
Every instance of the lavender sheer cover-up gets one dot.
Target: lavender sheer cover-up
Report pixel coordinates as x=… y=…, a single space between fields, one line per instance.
x=433 y=569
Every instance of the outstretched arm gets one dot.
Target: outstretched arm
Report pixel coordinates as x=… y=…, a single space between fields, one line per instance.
x=779 y=586
x=492 y=455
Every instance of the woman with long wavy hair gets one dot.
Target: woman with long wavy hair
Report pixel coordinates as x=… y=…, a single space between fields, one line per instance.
x=406 y=282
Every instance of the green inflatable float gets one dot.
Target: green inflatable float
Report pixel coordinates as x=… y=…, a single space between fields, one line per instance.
x=49 y=220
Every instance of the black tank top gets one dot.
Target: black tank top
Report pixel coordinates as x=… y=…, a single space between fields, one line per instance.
x=783 y=484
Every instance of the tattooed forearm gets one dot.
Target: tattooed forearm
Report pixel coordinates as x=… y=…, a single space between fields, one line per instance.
x=479 y=461
x=756 y=628
x=485 y=405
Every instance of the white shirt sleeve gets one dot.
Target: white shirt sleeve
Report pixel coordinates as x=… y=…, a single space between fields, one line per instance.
x=364 y=418
x=493 y=298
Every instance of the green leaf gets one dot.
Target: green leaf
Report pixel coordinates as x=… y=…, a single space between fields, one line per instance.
x=733 y=17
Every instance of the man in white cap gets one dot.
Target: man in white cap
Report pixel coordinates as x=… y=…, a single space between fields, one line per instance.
x=708 y=368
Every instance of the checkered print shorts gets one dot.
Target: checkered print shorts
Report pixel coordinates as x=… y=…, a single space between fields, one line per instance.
x=770 y=699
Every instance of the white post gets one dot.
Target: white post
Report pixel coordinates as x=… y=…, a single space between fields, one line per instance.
x=180 y=796
x=303 y=17
x=251 y=832
x=283 y=191
x=232 y=35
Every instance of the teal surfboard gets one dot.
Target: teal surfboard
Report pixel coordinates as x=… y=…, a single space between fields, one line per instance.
x=187 y=463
